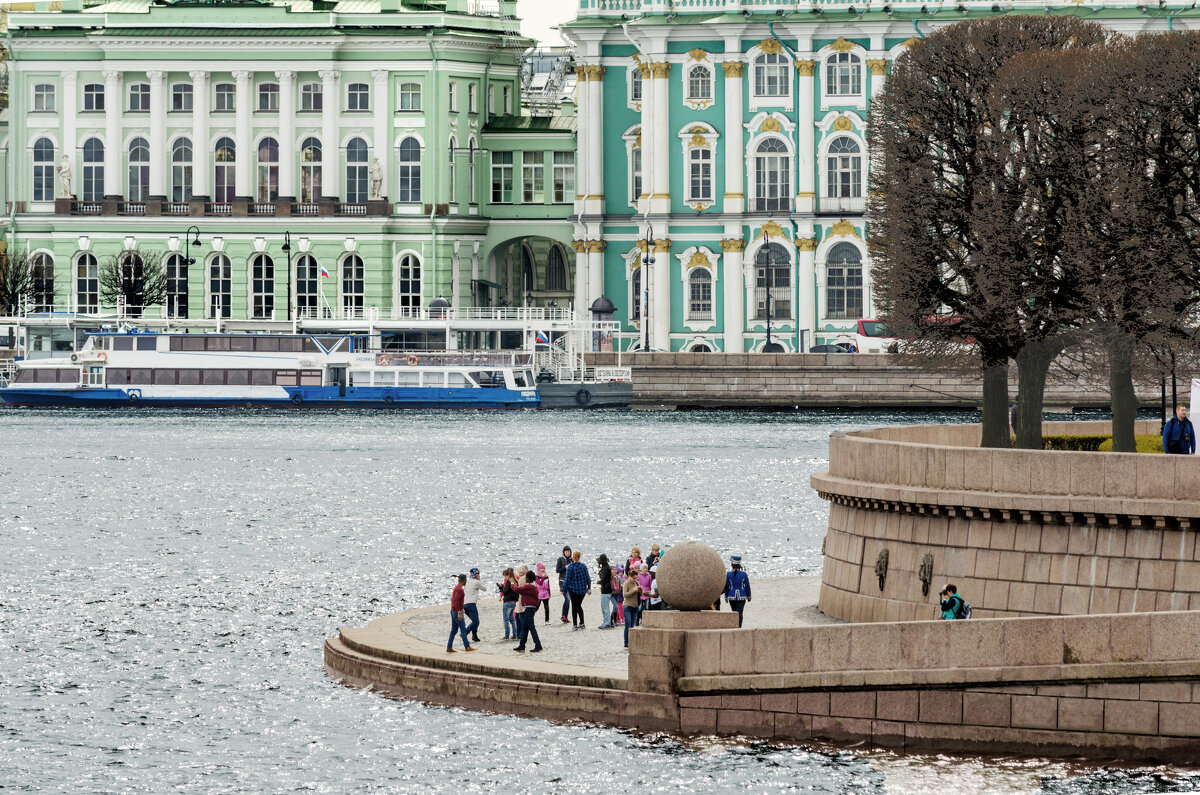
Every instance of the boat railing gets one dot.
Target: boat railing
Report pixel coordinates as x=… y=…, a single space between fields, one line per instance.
x=453 y=358
x=8 y=371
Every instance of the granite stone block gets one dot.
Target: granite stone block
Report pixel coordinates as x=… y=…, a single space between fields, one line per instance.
x=987 y=709
x=897 y=705
x=1131 y=717
x=1035 y=712
x=941 y=706
x=852 y=704
x=1081 y=714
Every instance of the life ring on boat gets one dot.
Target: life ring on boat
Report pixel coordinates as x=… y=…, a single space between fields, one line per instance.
x=134 y=396
x=102 y=356
x=387 y=399
x=383 y=360
x=583 y=397
x=297 y=399
x=412 y=360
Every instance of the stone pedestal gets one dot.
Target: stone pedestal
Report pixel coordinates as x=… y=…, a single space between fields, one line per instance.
x=62 y=205
x=657 y=647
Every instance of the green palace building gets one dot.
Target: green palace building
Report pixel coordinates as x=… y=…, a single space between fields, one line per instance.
x=735 y=130
x=306 y=161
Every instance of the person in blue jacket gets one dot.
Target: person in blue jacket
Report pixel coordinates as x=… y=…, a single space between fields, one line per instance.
x=737 y=587
x=1179 y=437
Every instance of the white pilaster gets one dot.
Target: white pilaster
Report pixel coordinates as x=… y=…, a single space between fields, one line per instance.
x=649 y=141
x=581 y=274
x=158 y=133
x=200 y=147
x=594 y=203
x=805 y=156
x=70 y=146
x=244 y=101
x=584 y=140
x=113 y=145
x=735 y=146
x=331 y=147
x=379 y=101
x=660 y=306
x=287 y=135
x=807 y=311
x=595 y=273
x=660 y=194
x=878 y=67
x=734 y=292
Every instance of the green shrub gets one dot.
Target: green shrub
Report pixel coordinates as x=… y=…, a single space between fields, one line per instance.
x=1146 y=443
x=1076 y=443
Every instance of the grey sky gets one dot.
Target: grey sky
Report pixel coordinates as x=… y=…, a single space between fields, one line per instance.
x=539 y=16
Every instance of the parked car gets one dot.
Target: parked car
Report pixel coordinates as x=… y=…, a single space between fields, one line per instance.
x=838 y=347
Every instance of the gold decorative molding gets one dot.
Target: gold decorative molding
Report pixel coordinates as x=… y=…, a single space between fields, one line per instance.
x=771 y=229
x=911 y=42
x=697 y=54
x=698 y=140
x=806 y=194
x=735 y=195
x=843 y=123
x=841 y=45
x=596 y=246
x=878 y=66
x=770 y=124
x=594 y=196
x=698 y=104
x=661 y=70
x=806 y=68
x=641 y=246
x=581 y=74
x=730 y=245
x=661 y=245
x=598 y=72
x=843 y=228
x=733 y=68
x=637 y=57
x=699 y=129
x=770 y=46
x=700 y=206
x=806 y=243
x=580 y=246
x=644 y=69
x=637 y=141
x=660 y=196
x=699 y=260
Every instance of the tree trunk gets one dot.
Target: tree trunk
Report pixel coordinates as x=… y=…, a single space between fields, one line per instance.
x=1033 y=362
x=1121 y=393
x=995 y=404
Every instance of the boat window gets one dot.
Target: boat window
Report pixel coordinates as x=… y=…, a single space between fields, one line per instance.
x=266 y=344
x=118 y=375
x=262 y=377
x=193 y=343
x=122 y=343
x=189 y=377
x=237 y=377
x=310 y=378
x=435 y=379
x=310 y=345
x=140 y=375
x=26 y=376
x=212 y=377
x=245 y=343
x=287 y=378
x=457 y=380
x=69 y=375
x=519 y=379
x=489 y=379
x=216 y=344
x=147 y=343
x=360 y=378
x=408 y=378
x=291 y=344
x=165 y=377
x=46 y=376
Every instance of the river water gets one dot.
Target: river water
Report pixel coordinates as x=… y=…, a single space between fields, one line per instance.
x=168 y=579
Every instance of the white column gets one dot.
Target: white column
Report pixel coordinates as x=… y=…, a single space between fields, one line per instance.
x=660 y=305
x=594 y=202
x=595 y=272
x=330 y=145
x=660 y=194
x=734 y=292
x=581 y=275
x=70 y=146
x=201 y=168
x=735 y=141
x=379 y=101
x=648 y=141
x=244 y=102
x=287 y=135
x=158 y=133
x=822 y=309
x=878 y=67
x=805 y=157
x=807 y=311
x=113 y=145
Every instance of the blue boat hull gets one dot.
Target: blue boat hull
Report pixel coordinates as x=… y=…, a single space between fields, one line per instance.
x=297 y=397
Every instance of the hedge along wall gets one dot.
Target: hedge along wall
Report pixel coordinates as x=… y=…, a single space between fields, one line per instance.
x=1019 y=532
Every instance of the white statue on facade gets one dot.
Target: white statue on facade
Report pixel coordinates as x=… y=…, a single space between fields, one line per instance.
x=376 y=179
x=64 y=177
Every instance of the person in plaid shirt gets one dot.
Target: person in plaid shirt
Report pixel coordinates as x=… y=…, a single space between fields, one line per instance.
x=577 y=583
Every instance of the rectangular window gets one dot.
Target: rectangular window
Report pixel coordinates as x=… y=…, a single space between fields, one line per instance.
x=635 y=174
x=212 y=377
x=139 y=98
x=181 y=98
x=358 y=97
x=237 y=377
x=262 y=378
x=773 y=283
x=410 y=96
x=533 y=177
x=189 y=377
x=93 y=97
x=472 y=97
x=564 y=177
x=843 y=291
x=287 y=378
x=165 y=377
x=312 y=97
x=700 y=175
x=502 y=177
x=491 y=100
x=310 y=378
x=43 y=98
x=226 y=98
x=452 y=97
x=507 y=100
x=268 y=97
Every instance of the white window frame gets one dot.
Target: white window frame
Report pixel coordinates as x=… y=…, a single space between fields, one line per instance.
x=410 y=94
x=312 y=98
x=409 y=172
x=839 y=65
x=261 y=288
x=311 y=170
x=353 y=302
x=696 y=137
x=181 y=171
x=224 y=91
x=756 y=101
x=506 y=92
x=137 y=178
x=405 y=264
x=212 y=297
x=533 y=177
x=564 y=176
x=86 y=301
x=833 y=188
x=702 y=100
x=140 y=91
x=635 y=165
x=472 y=97
x=692 y=259
x=182 y=94
x=635 y=90
x=356 y=172
x=363 y=93
x=499 y=169
x=43 y=170
x=452 y=96
x=47 y=93
x=93 y=94
x=827 y=288
x=268 y=91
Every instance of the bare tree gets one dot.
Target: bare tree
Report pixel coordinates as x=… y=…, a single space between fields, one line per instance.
x=16 y=280
x=134 y=278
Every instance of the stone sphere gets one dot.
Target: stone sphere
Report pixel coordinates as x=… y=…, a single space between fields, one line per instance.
x=691 y=576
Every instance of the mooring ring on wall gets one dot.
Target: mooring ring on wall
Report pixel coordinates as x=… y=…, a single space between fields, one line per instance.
x=925 y=573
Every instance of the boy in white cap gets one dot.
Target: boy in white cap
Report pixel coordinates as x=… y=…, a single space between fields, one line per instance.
x=737 y=587
x=471 y=593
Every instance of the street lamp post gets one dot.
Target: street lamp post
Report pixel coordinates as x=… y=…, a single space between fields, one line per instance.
x=647 y=261
x=287 y=248
x=769 y=281
x=188 y=261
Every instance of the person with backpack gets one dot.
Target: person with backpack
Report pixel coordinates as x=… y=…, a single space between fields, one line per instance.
x=560 y=567
x=737 y=587
x=1178 y=436
x=604 y=578
x=954 y=607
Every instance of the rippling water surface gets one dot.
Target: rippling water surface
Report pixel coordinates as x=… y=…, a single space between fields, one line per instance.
x=168 y=579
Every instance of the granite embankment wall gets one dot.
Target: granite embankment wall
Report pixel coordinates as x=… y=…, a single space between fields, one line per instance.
x=813 y=380
x=1019 y=532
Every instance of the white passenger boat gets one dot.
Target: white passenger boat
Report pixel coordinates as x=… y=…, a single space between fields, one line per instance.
x=300 y=370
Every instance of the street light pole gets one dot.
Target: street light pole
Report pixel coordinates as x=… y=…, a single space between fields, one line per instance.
x=287 y=248
x=647 y=261
x=188 y=262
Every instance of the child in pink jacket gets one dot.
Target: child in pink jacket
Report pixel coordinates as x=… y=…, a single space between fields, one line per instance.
x=543 y=586
x=645 y=581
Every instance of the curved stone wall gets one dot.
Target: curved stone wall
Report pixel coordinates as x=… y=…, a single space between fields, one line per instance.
x=1020 y=532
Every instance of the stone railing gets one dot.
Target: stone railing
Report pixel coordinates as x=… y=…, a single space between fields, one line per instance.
x=634 y=8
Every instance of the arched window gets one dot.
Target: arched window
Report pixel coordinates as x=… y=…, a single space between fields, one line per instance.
x=408 y=284
x=771 y=75
x=700 y=347
x=353 y=286
x=310 y=171
x=262 y=286
x=528 y=284
x=268 y=170
x=635 y=173
x=220 y=287
x=87 y=284
x=43 y=170
x=635 y=84
x=472 y=148
x=700 y=174
x=700 y=295
x=844 y=178
x=410 y=96
x=773 y=283
x=181 y=170
x=177 y=286
x=635 y=295
x=452 y=172
x=308 y=286
x=139 y=170
x=93 y=170
x=409 y=168
x=843 y=74
x=41 y=283
x=224 y=182
x=556 y=270
x=772 y=176
x=699 y=83
x=843 y=282
x=356 y=170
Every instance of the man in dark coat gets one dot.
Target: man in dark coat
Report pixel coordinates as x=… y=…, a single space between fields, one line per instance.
x=1179 y=437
